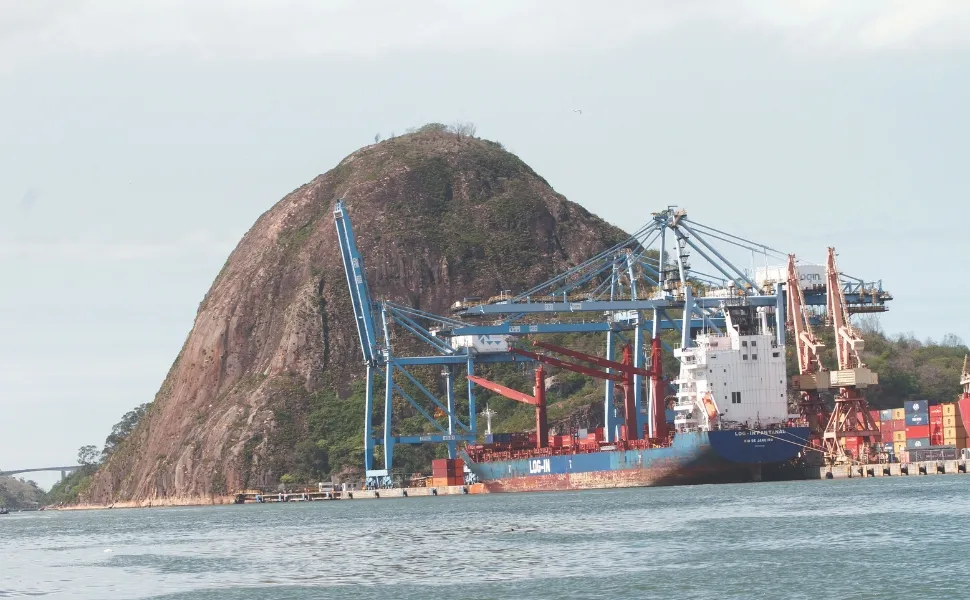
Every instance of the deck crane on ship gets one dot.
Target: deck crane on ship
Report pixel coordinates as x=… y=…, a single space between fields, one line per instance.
x=850 y=417
x=812 y=376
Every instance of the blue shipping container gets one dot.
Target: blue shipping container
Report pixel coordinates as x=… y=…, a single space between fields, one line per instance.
x=916 y=406
x=917 y=419
x=886 y=415
x=917 y=443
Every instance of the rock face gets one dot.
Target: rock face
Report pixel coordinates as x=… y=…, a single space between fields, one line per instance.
x=437 y=218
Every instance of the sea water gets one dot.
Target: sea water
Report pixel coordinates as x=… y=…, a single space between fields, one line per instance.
x=900 y=537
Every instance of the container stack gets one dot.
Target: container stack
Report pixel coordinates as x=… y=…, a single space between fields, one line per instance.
x=561 y=441
x=936 y=425
x=917 y=424
x=447 y=471
x=954 y=426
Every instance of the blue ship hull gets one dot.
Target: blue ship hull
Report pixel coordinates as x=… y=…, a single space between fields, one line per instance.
x=693 y=458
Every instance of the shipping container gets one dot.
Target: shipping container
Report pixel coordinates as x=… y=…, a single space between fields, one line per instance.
x=917 y=419
x=949 y=410
x=916 y=406
x=899 y=436
x=952 y=421
x=953 y=433
x=936 y=411
x=886 y=415
x=498 y=438
x=899 y=414
x=886 y=435
x=916 y=443
x=899 y=448
x=875 y=415
x=918 y=431
x=897 y=425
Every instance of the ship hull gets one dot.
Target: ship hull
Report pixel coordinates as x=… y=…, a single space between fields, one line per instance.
x=693 y=458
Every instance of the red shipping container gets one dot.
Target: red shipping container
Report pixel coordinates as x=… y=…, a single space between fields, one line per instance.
x=875 y=415
x=886 y=435
x=917 y=431
x=936 y=411
x=898 y=425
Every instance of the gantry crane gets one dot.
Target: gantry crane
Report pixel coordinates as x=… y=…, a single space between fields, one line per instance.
x=812 y=375
x=851 y=414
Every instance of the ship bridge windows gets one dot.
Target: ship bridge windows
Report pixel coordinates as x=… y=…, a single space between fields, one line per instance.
x=735 y=397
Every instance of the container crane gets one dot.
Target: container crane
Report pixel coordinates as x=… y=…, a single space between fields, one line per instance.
x=851 y=417
x=812 y=376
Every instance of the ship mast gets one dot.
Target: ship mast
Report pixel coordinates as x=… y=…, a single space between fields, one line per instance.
x=851 y=416
x=488 y=413
x=812 y=376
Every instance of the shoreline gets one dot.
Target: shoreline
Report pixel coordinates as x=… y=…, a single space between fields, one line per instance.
x=152 y=503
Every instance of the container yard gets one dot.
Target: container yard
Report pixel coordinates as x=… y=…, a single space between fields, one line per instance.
x=725 y=416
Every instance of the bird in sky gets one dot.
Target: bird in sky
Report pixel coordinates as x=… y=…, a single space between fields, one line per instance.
x=578 y=110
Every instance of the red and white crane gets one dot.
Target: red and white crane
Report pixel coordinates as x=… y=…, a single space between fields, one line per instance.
x=812 y=375
x=851 y=417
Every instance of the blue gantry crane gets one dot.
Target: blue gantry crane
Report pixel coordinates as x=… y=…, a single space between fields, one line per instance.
x=611 y=293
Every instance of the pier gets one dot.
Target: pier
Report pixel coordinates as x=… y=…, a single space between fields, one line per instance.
x=250 y=496
x=933 y=467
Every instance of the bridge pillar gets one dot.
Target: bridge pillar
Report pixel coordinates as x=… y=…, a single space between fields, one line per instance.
x=63 y=475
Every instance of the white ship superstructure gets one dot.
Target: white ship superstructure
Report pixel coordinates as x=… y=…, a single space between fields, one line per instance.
x=732 y=380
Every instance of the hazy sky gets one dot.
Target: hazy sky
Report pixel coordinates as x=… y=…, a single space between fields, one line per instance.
x=140 y=140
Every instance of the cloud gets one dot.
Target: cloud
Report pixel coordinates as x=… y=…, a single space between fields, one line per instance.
x=116 y=251
x=269 y=29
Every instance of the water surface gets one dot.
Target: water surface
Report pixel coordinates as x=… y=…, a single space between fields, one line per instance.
x=876 y=538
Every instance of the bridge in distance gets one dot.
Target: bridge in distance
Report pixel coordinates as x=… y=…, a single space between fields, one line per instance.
x=63 y=470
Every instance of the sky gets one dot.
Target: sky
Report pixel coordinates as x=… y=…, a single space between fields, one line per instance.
x=140 y=141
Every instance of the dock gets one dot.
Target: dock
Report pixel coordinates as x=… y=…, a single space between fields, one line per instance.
x=250 y=496
x=934 y=467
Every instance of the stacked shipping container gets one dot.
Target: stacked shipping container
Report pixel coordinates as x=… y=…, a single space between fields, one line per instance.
x=909 y=431
x=447 y=471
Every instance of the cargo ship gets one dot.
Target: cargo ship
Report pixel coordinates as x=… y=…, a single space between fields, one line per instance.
x=730 y=424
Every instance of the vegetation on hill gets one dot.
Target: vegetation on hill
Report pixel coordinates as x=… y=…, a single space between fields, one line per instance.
x=19 y=494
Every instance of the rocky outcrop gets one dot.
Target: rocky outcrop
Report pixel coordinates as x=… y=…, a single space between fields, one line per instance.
x=437 y=218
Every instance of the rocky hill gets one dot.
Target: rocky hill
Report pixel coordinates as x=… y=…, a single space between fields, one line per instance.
x=438 y=216
x=16 y=494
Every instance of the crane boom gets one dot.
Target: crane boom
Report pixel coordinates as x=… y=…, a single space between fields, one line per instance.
x=539 y=401
x=812 y=375
x=807 y=345
x=848 y=342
